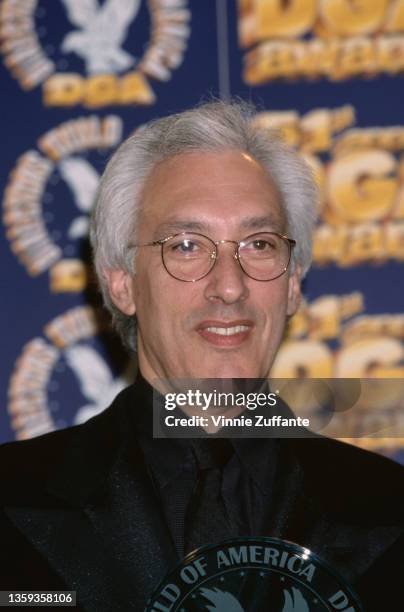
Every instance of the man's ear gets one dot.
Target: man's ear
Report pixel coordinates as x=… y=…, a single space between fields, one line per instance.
x=294 y=293
x=120 y=285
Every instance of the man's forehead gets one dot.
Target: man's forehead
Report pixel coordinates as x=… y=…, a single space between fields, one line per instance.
x=211 y=191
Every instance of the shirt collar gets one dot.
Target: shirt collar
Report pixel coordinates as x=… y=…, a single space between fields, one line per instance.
x=168 y=457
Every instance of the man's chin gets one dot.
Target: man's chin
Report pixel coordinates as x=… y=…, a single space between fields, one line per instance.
x=228 y=371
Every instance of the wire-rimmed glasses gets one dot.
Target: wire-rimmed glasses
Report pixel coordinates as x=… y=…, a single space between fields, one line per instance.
x=190 y=256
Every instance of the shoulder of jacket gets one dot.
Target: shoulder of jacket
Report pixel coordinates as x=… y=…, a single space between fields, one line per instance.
x=353 y=479
x=28 y=463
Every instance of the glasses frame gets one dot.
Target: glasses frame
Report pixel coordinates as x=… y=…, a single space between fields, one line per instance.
x=291 y=243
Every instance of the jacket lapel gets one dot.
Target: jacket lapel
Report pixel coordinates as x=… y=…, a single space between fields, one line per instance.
x=99 y=524
x=301 y=512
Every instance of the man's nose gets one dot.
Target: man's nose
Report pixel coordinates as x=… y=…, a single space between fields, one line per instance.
x=226 y=281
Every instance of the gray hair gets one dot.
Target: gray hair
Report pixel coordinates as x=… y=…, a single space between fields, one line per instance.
x=210 y=127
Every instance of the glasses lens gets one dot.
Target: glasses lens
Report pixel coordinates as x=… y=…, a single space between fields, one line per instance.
x=189 y=257
x=264 y=256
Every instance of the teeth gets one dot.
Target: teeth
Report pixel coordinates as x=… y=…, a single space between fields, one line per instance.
x=228 y=331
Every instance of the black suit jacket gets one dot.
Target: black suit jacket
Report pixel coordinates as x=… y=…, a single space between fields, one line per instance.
x=79 y=512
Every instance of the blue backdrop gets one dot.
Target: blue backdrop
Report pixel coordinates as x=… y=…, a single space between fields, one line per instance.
x=79 y=75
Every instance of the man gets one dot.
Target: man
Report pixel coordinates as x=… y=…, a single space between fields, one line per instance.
x=201 y=236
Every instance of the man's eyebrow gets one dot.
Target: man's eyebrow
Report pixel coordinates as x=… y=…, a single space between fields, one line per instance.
x=268 y=222
x=263 y=222
x=185 y=225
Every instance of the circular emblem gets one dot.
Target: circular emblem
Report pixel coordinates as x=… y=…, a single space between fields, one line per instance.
x=67 y=360
x=94 y=53
x=49 y=196
x=253 y=574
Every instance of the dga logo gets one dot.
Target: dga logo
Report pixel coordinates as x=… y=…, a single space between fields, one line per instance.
x=359 y=174
x=253 y=574
x=226 y=602
x=338 y=39
x=106 y=41
x=333 y=337
x=66 y=358
x=45 y=234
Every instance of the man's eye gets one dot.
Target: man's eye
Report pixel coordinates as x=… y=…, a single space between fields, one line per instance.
x=261 y=245
x=185 y=247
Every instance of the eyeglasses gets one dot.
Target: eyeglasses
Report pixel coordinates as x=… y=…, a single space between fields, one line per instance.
x=189 y=256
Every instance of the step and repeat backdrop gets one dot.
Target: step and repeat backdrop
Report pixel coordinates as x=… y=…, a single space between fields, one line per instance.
x=78 y=76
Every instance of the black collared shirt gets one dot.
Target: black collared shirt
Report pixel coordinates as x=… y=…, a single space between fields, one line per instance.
x=247 y=476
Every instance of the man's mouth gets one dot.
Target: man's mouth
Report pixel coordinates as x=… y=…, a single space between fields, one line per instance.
x=225 y=334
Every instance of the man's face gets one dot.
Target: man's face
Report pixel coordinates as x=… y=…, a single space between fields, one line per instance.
x=224 y=195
